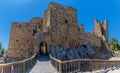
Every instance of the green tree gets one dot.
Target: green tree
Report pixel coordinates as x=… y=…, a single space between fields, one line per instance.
x=114 y=45
x=113 y=41
x=0 y=45
x=2 y=50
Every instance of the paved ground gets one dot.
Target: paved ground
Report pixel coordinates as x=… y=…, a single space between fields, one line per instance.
x=43 y=65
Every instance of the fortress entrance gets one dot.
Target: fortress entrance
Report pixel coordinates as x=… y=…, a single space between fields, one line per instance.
x=43 y=48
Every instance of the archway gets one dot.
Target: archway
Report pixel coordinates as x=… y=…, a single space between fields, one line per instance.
x=43 y=48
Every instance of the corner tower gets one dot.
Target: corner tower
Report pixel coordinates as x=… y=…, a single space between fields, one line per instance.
x=101 y=29
x=105 y=29
x=62 y=25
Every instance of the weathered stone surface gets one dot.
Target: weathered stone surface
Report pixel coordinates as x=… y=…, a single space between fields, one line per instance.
x=58 y=27
x=62 y=24
x=21 y=41
x=101 y=29
x=79 y=52
x=89 y=39
x=81 y=28
x=37 y=23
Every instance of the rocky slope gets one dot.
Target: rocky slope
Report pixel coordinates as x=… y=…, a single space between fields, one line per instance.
x=79 y=52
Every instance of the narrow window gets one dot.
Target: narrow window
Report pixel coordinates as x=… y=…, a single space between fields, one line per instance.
x=84 y=46
x=34 y=32
x=66 y=21
x=16 y=40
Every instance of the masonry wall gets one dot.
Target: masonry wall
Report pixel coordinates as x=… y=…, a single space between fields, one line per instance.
x=63 y=26
x=101 y=29
x=58 y=27
x=89 y=39
x=46 y=19
x=105 y=29
x=36 y=23
x=21 y=41
x=98 y=29
x=81 y=28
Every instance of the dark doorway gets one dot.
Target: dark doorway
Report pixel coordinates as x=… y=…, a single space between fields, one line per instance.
x=43 y=48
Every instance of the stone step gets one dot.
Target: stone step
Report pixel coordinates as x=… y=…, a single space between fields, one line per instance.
x=43 y=65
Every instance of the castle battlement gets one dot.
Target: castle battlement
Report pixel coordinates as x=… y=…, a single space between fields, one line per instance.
x=20 y=24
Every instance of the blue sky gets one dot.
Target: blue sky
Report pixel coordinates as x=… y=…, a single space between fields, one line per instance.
x=87 y=10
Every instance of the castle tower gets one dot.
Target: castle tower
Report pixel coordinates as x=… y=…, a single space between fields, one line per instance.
x=62 y=25
x=21 y=40
x=97 y=28
x=101 y=29
x=105 y=29
x=36 y=23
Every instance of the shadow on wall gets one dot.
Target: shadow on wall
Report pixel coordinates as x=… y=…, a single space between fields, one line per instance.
x=79 y=52
x=43 y=58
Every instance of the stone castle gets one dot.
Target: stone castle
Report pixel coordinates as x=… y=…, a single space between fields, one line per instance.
x=59 y=26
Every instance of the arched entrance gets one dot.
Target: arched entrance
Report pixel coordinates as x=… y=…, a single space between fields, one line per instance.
x=43 y=48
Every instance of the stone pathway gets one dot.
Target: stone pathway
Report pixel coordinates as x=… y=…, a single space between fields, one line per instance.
x=43 y=65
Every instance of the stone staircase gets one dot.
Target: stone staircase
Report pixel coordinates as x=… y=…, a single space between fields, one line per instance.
x=43 y=65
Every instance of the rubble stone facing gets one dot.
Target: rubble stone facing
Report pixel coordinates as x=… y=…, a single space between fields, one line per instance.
x=79 y=52
x=63 y=26
x=21 y=40
x=59 y=26
x=36 y=23
x=101 y=29
x=89 y=39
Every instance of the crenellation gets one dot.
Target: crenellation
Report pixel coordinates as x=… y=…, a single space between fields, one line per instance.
x=36 y=23
x=71 y=8
x=81 y=28
x=20 y=24
x=101 y=29
x=55 y=6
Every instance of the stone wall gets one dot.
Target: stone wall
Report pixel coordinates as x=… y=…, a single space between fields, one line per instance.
x=98 y=29
x=36 y=23
x=58 y=27
x=63 y=25
x=101 y=29
x=89 y=39
x=21 y=40
x=105 y=29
